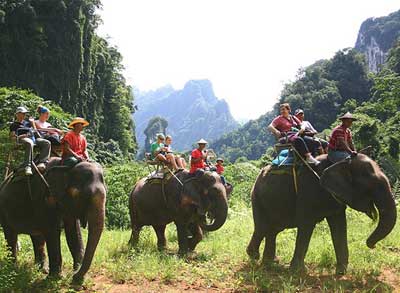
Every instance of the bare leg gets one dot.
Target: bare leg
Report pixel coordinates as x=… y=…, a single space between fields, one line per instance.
x=161 y=240
x=183 y=162
x=178 y=162
x=171 y=159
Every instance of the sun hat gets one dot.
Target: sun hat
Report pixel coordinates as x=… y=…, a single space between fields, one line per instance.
x=348 y=115
x=298 y=111
x=202 y=141
x=220 y=160
x=77 y=120
x=21 y=109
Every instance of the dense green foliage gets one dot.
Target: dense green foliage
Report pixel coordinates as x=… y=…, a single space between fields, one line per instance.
x=51 y=47
x=10 y=98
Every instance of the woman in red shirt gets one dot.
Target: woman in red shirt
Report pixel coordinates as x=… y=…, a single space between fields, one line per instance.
x=288 y=128
x=74 y=143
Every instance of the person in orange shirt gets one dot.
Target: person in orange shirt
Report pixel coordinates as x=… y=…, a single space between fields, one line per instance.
x=74 y=143
x=199 y=156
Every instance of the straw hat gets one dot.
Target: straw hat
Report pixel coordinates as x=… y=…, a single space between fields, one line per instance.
x=77 y=120
x=202 y=141
x=220 y=160
x=348 y=115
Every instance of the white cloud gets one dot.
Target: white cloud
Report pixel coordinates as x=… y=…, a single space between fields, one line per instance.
x=247 y=48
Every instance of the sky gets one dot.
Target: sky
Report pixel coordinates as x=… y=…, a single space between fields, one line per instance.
x=248 y=49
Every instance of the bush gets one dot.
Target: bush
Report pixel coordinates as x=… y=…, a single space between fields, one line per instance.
x=120 y=181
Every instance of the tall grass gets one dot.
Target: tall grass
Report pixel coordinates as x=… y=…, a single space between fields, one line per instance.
x=220 y=261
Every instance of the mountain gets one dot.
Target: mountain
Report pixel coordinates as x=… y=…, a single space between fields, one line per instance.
x=192 y=113
x=376 y=36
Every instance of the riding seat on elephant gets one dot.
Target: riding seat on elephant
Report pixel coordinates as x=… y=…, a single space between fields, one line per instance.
x=184 y=199
x=37 y=205
x=282 y=200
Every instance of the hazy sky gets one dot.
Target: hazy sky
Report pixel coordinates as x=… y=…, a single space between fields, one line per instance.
x=247 y=48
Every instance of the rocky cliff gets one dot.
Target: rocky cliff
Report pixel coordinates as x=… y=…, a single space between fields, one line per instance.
x=192 y=113
x=375 y=38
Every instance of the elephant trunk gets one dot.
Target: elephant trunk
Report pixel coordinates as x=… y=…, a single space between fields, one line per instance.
x=96 y=217
x=220 y=212
x=387 y=215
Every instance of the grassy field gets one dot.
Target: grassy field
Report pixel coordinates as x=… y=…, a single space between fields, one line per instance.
x=219 y=263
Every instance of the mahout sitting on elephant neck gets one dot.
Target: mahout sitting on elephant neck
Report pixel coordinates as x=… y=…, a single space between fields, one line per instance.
x=185 y=205
x=78 y=192
x=358 y=182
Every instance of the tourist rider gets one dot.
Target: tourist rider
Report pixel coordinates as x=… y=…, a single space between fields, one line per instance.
x=288 y=128
x=45 y=128
x=74 y=143
x=220 y=169
x=160 y=153
x=23 y=132
x=198 y=157
x=311 y=132
x=341 y=142
x=180 y=162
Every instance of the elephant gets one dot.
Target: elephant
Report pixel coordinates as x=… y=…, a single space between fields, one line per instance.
x=74 y=195
x=357 y=182
x=184 y=199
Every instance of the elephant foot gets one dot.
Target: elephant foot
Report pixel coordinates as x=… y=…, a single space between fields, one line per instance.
x=54 y=275
x=78 y=279
x=161 y=248
x=298 y=268
x=341 y=270
x=252 y=253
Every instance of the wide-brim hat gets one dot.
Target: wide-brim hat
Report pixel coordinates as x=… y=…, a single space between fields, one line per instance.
x=21 y=110
x=77 y=120
x=220 y=160
x=202 y=141
x=348 y=115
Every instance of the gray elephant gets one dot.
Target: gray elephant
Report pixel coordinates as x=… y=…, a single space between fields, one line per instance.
x=357 y=182
x=185 y=200
x=27 y=206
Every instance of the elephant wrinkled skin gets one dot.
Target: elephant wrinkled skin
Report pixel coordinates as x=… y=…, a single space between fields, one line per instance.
x=357 y=182
x=77 y=193
x=186 y=206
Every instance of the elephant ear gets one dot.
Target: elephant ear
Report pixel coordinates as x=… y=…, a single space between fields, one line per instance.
x=337 y=180
x=57 y=178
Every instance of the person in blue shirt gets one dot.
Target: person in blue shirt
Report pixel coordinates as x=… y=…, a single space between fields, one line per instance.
x=22 y=131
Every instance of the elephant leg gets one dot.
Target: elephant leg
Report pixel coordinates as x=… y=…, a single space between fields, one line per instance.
x=54 y=251
x=161 y=240
x=133 y=241
x=197 y=234
x=74 y=240
x=39 y=244
x=182 y=238
x=254 y=245
x=303 y=237
x=338 y=226
x=11 y=238
x=269 y=255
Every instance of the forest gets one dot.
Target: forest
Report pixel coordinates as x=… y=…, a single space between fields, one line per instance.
x=38 y=38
